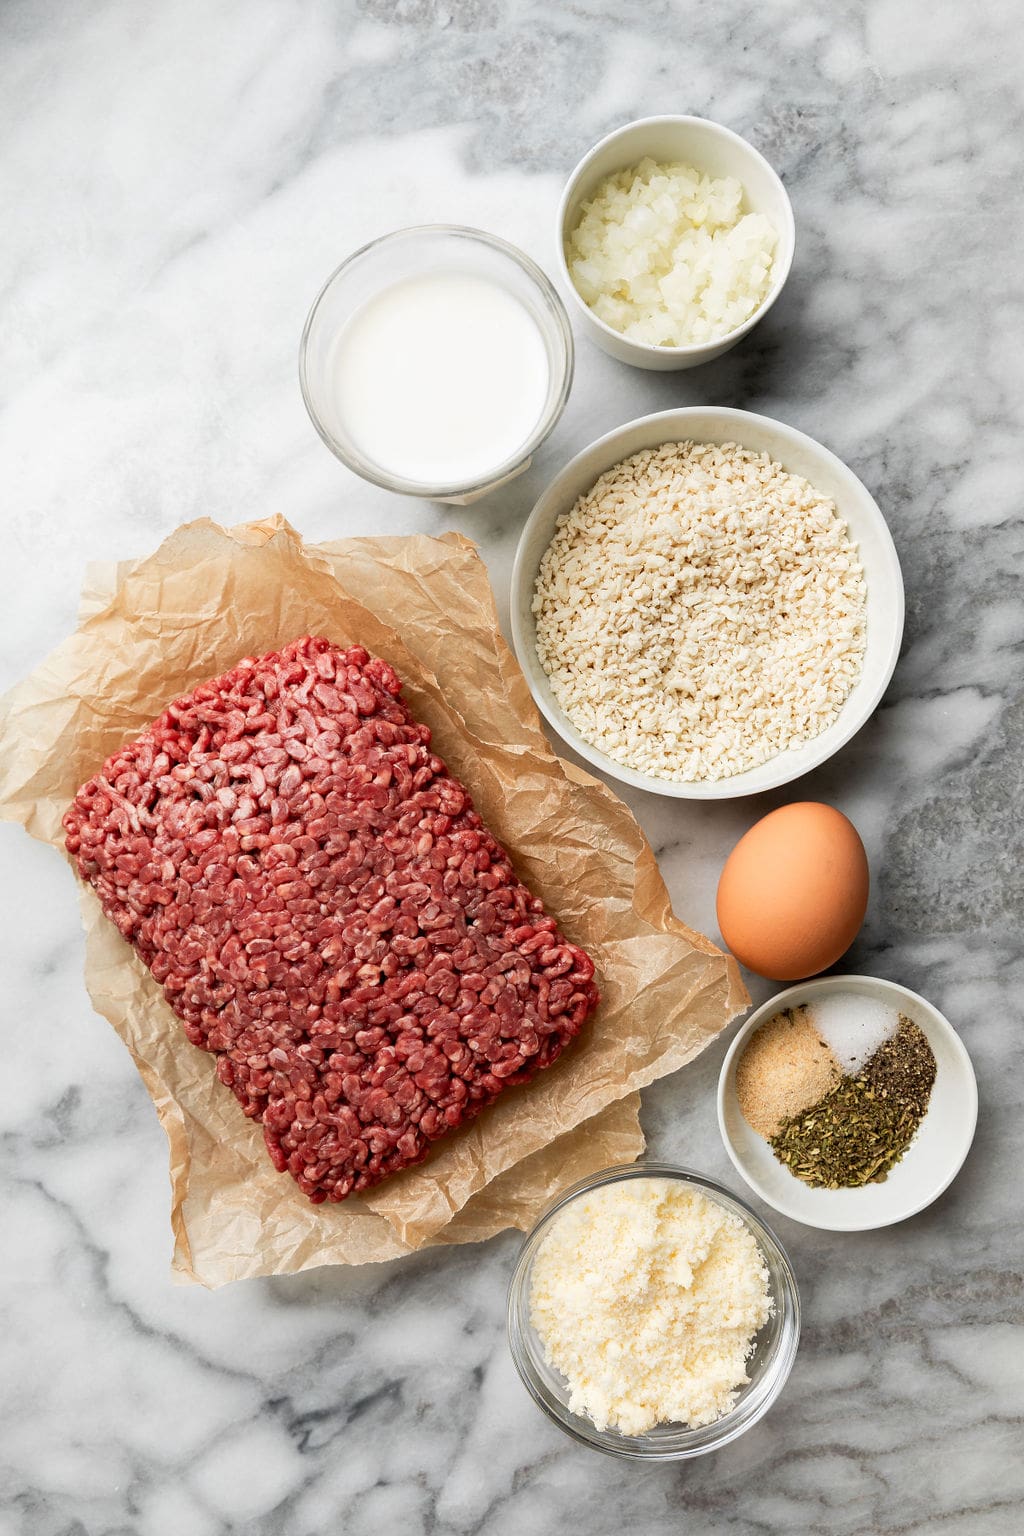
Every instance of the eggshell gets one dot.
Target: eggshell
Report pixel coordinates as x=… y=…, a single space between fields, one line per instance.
x=794 y=891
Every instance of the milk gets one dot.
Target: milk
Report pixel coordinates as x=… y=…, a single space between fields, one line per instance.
x=441 y=378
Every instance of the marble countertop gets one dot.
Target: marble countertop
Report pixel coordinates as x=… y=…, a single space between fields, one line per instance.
x=176 y=182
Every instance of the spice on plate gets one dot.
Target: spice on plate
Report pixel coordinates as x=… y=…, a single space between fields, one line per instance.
x=648 y=1296
x=785 y=1068
x=862 y=1128
x=854 y=1026
x=837 y=1088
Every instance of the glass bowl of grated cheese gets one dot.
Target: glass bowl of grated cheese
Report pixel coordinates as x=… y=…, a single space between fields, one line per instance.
x=652 y=1314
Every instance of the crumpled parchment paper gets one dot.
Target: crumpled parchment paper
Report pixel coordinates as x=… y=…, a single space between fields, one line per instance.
x=149 y=631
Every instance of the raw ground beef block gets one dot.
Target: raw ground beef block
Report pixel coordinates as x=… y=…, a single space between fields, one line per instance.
x=327 y=913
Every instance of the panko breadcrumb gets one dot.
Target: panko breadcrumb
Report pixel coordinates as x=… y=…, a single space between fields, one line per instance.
x=700 y=610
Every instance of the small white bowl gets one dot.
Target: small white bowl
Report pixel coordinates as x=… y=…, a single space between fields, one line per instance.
x=708 y=147
x=930 y=1163
x=802 y=456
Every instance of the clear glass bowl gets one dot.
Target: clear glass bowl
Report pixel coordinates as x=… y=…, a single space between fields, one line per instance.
x=769 y=1366
x=411 y=252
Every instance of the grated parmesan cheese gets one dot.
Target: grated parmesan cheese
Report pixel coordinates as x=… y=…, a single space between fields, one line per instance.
x=647 y=1296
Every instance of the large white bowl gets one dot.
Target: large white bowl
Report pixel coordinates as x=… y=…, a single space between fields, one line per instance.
x=799 y=454
x=708 y=147
x=930 y=1163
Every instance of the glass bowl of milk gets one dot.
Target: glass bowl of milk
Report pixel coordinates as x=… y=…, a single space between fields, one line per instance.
x=435 y=361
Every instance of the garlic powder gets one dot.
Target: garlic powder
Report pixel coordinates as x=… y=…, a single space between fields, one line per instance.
x=647 y=1296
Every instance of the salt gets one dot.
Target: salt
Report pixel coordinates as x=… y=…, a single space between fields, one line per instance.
x=853 y=1026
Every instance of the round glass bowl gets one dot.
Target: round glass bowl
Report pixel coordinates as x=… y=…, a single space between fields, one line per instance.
x=416 y=252
x=769 y=1366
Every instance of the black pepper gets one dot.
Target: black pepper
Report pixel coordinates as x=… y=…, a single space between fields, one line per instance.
x=863 y=1126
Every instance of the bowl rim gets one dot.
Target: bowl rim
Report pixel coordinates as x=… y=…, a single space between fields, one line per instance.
x=734 y=787
x=890 y=989
x=368 y=469
x=695 y=348
x=631 y=1447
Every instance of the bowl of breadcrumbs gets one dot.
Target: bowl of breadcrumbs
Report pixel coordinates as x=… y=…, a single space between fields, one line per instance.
x=706 y=604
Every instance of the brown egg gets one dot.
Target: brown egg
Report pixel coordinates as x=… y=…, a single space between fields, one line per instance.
x=794 y=891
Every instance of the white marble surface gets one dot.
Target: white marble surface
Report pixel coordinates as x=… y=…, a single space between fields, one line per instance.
x=176 y=180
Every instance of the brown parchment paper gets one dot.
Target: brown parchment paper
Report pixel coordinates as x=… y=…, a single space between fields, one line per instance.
x=152 y=629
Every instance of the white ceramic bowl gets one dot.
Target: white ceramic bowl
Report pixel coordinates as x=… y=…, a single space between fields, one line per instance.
x=930 y=1163
x=707 y=147
x=797 y=453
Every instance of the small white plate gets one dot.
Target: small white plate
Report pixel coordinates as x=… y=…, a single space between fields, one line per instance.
x=930 y=1163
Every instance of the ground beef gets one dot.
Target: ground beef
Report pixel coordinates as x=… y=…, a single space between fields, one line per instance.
x=327 y=913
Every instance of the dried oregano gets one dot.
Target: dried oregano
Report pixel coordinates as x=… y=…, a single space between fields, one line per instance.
x=863 y=1126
